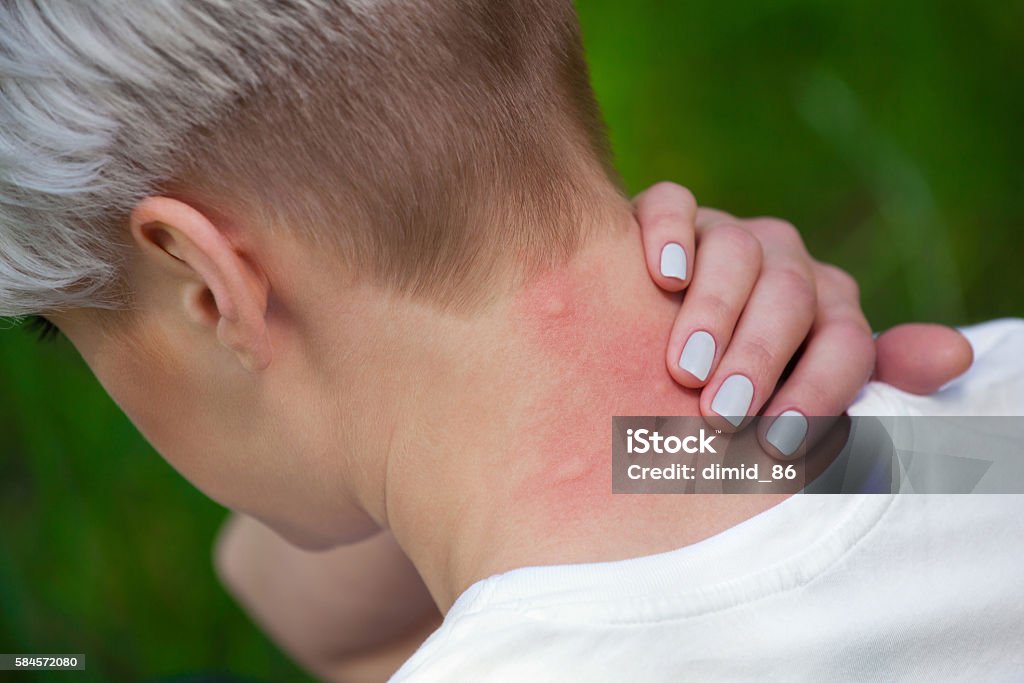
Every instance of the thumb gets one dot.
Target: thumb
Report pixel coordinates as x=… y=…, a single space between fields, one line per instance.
x=919 y=357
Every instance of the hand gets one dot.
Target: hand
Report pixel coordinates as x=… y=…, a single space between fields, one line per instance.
x=756 y=301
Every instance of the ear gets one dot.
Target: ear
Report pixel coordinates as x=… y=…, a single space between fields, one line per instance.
x=221 y=288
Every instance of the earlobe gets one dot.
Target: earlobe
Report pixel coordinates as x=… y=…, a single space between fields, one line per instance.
x=251 y=346
x=217 y=285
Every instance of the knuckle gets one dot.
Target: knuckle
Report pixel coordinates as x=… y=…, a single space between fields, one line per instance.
x=836 y=277
x=759 y=354
x=673 y=194
x=854 y=327
x=777 y=229
x=713 y=306
x=742 y=245
x=711 y=216
x=854 y=335
x=667 y=219
x=796 y=286
x=820 y=397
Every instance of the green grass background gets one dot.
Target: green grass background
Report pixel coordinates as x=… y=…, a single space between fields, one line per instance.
x=889 y=133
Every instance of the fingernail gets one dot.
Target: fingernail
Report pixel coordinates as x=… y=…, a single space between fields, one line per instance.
x=787 y=432
x=733 y=399
x=698 y=354
x=673 y=261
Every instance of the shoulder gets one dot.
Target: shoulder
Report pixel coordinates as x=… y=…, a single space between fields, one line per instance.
x=483 y=646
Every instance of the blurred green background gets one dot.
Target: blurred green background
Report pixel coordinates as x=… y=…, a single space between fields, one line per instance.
x=889 y=133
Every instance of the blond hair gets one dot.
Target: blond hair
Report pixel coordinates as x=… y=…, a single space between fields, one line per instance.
x=428 y=140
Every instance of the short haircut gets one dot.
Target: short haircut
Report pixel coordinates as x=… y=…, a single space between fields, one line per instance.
x=429 y=139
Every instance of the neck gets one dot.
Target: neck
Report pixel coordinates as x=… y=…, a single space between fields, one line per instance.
x=503 y=456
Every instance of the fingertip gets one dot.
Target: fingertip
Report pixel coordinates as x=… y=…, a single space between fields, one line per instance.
x=726 y=404
x=666 y=192
x=964 y=353
x=673 y=267
x=785 y=436
x=719 y=423
x=692 y=359
x=680 y=374
x=921 y=358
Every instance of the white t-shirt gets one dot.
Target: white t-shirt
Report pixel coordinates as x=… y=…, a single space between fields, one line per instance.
x=818 y=588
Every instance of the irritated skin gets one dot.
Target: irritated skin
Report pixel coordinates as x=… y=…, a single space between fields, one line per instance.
x=530 y=482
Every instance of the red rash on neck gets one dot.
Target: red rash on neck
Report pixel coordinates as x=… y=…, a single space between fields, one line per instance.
x=603 y=357
x=588 y=342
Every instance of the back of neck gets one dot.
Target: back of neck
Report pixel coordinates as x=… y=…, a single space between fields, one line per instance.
x=523 y=474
